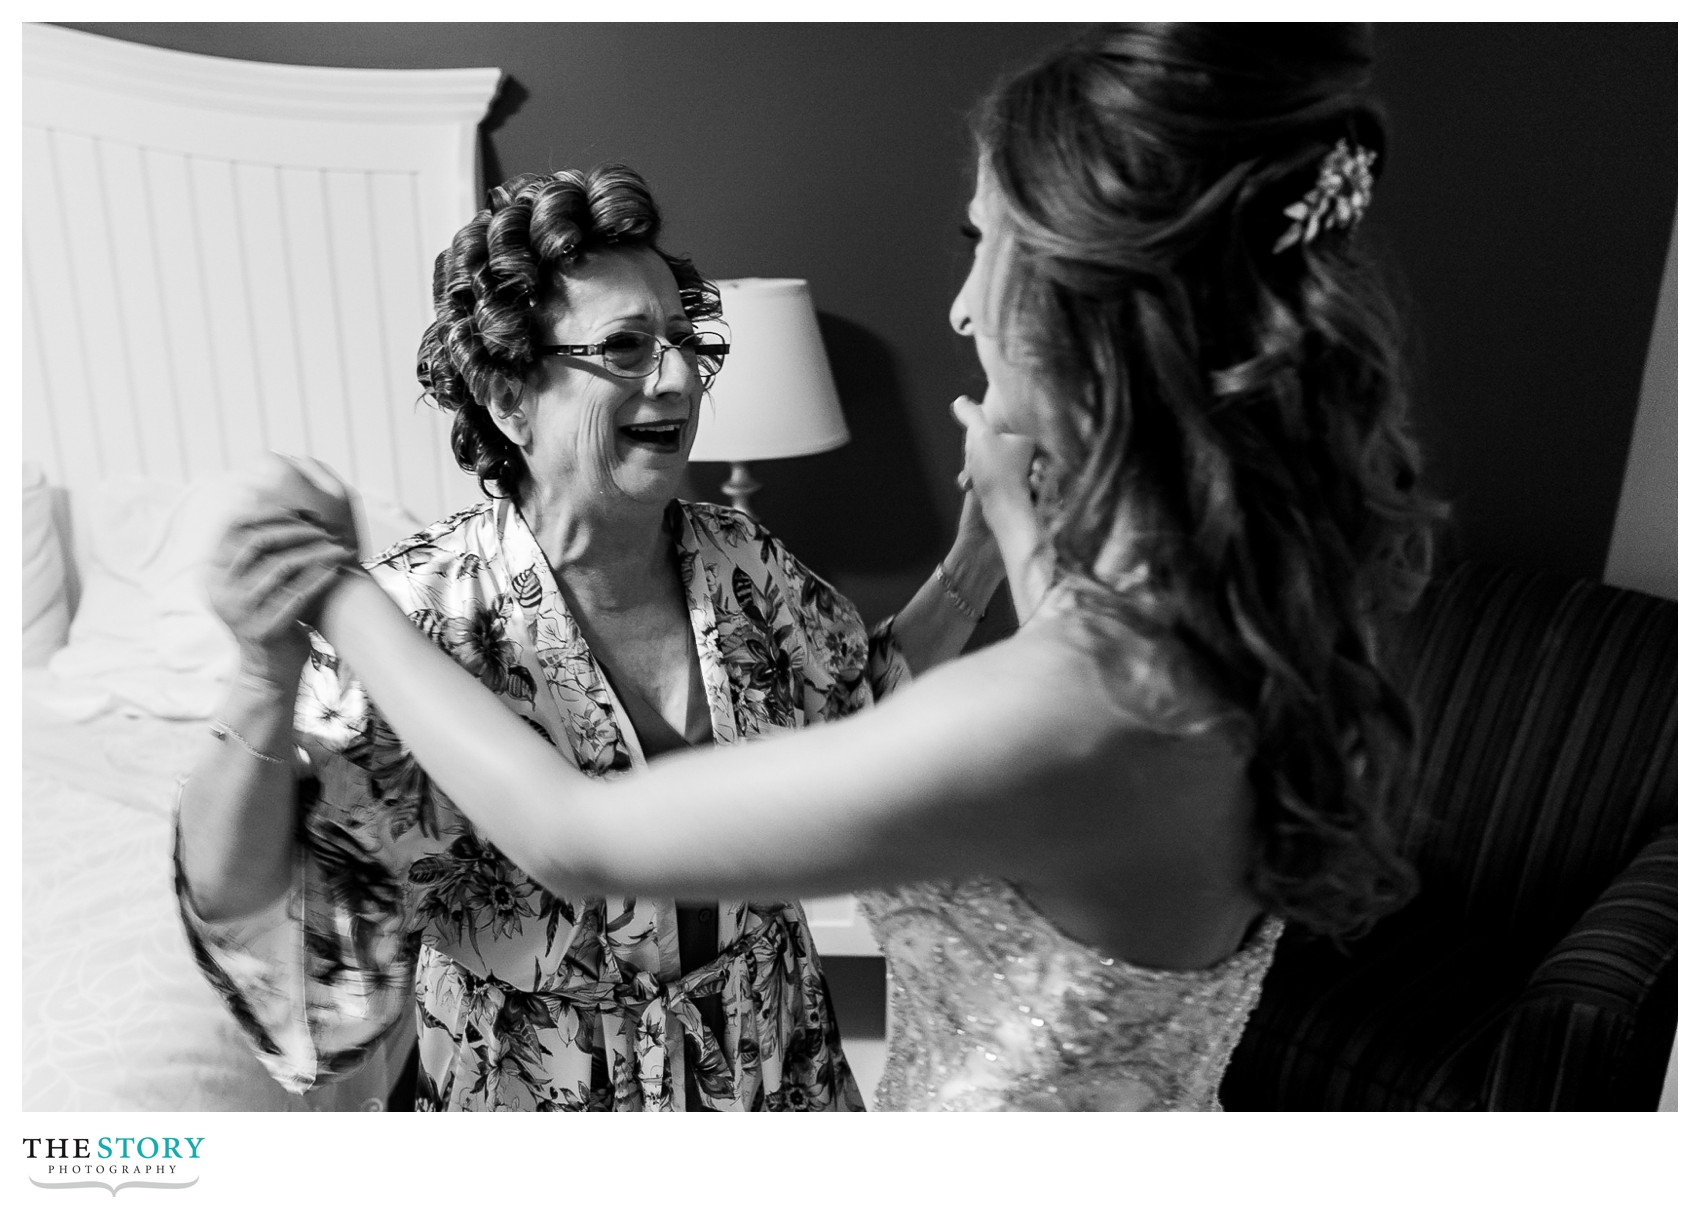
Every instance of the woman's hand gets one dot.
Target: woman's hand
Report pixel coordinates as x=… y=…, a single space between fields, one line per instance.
x=998 y=468
x=274 y=563
x=975 y=546
x=995 y=470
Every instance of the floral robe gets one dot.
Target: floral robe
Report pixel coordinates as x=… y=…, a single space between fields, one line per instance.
x=525 y=1000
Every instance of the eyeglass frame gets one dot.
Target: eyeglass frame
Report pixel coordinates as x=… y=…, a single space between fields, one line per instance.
x=599 y=351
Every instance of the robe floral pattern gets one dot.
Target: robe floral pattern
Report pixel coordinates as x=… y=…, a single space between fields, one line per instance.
x=525 y=1001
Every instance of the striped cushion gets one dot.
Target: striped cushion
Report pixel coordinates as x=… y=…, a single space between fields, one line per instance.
x=1578 y=1037
x=1548 y=710
x=1534 y=969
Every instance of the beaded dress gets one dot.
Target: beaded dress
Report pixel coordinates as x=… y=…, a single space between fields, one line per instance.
x=992 y=1008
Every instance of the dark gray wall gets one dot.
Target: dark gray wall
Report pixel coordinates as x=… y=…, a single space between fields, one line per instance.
x=1529 y=196
x=1529 y=200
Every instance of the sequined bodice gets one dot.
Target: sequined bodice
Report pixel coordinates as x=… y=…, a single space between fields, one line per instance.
x=993 y=1008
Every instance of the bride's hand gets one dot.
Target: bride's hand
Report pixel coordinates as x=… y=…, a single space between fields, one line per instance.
x=274 y=563
x=286 y=485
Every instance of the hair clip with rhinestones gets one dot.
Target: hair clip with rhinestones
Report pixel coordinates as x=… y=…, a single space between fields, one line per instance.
x=1337 y=200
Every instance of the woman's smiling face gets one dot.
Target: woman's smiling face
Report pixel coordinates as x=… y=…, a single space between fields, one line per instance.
x=588 y=434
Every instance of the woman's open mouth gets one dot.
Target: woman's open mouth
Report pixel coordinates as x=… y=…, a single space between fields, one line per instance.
x=663 y=436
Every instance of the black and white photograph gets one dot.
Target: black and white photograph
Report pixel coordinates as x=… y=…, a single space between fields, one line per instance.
x=841 y=566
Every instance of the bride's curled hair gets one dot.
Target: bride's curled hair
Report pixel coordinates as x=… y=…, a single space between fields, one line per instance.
x=1234 y=414
x=495 y=292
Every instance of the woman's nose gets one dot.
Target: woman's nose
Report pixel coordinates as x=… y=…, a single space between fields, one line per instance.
x=675 y=372
x=960 y=322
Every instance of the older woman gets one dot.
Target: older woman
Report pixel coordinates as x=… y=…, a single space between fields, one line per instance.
x=619 y=624
x=1083 y=841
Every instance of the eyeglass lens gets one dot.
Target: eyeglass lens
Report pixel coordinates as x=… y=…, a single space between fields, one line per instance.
x=631 y=352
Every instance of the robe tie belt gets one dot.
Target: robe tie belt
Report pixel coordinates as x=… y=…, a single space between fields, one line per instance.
x=639 y=1015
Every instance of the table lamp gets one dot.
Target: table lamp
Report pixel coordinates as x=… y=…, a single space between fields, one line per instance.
x=775 y=398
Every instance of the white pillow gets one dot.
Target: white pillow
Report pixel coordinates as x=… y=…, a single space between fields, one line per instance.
x=144 y=630
x=47 y=609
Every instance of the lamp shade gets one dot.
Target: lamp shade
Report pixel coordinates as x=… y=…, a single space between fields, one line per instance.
x=774 y=399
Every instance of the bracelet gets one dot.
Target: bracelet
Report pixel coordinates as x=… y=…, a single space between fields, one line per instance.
x=221 y=730
x=955 y=595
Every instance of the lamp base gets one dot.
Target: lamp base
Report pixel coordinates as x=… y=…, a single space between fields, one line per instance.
x=740 y=486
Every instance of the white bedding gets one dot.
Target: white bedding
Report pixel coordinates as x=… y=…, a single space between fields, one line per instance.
x=219 y=179
x=116 y=1016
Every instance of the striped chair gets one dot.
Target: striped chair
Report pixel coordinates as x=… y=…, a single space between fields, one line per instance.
x=1536 y=969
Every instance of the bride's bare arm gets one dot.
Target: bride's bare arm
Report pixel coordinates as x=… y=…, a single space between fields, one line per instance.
x=940 y=781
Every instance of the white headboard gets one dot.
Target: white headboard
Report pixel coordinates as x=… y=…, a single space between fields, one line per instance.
x=223 y=257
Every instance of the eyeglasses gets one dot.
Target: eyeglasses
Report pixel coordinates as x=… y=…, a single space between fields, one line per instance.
x=633 y=354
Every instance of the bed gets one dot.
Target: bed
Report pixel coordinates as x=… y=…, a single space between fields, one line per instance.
x=220 y=258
